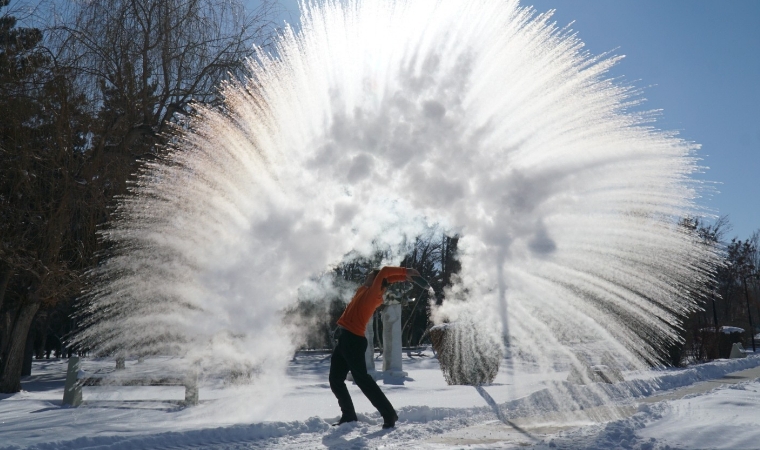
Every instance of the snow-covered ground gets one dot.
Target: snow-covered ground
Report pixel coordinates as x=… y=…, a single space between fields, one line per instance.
x=712 y=405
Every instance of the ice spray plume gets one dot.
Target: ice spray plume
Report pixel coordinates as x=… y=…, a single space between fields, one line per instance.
x=376 y=120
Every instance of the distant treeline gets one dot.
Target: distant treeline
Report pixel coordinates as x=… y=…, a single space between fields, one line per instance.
x=733 y=294
x=734 y=298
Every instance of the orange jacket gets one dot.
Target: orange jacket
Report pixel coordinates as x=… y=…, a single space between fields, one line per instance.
x=366 y=300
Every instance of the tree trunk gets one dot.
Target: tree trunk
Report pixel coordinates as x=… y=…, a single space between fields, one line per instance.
x=5 y=276
x=26 y=367
x=44 y=326
x=715 y=314
x=10 y=372
x=5 y=319
x=749 y=314
x=5 y=334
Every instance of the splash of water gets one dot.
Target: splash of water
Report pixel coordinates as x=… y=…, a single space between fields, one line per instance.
x=375 y=121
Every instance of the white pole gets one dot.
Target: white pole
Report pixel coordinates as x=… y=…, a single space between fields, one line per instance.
x=392 y=341
x=72 y=391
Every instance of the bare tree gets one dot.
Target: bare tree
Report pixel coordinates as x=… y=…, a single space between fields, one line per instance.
x=427 y=255
x=144 y=62
x=163 y=54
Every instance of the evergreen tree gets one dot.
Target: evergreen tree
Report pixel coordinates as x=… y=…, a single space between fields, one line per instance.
x=42 y=137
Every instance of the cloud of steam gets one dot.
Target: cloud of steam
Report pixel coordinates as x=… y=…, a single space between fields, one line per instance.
x=376 y=121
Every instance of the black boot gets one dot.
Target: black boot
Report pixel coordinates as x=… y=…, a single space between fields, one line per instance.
x=344 y=419
x=390 y=422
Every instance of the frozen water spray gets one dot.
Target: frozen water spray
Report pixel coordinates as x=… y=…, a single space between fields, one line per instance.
x=376 y=120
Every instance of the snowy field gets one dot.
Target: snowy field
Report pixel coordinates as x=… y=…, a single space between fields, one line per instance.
x=713 y=405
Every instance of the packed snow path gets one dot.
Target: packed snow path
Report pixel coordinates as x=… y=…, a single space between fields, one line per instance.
x=707 y=406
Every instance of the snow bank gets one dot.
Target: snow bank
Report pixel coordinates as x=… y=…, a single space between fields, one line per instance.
x=215 y=436
x=725 y=329
x=674 y=378
x=567 y=397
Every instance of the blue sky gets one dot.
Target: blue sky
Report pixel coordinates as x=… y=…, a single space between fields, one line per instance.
x=699 y=62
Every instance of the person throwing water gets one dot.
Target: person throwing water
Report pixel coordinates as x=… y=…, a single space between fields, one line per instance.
x=351 y=346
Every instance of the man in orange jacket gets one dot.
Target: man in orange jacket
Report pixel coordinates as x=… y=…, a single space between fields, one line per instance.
x=349 y=352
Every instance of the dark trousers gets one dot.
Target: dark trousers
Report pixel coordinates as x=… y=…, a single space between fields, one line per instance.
x=349 y=355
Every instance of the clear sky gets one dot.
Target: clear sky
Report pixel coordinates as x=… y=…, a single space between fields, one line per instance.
x=699 y=62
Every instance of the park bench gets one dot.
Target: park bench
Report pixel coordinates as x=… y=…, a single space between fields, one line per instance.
x=76 y=380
